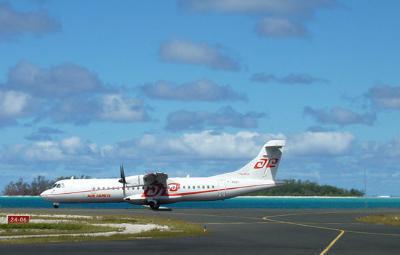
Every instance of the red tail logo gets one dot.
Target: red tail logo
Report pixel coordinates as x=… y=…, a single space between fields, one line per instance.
x=266 y=162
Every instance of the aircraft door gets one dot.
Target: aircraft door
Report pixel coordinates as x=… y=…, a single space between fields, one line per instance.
x=222 y=189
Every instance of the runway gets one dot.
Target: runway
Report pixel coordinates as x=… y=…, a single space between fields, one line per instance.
x=243 y=231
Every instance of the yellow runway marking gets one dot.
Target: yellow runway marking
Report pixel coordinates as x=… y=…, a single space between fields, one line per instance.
x=311 y=226
x=303 y=224
x=332 y=243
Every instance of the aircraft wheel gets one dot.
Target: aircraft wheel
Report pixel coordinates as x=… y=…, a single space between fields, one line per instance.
x=56 y=205
x=154 y=206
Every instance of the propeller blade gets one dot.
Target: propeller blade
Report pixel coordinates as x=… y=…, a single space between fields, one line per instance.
x=122 y=180
x=122 y=174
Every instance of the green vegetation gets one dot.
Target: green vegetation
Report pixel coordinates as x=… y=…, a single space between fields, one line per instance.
x=386 y=219
x=37 y=186
x=307 y=188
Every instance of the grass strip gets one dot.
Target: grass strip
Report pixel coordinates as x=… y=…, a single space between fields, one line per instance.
x=52 y=228
x=386 y=219
x=177 y=228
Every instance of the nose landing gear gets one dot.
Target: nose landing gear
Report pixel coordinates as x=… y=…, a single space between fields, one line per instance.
x=56 y=205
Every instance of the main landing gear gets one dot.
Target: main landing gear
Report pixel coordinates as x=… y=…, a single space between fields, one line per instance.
x=153 y=205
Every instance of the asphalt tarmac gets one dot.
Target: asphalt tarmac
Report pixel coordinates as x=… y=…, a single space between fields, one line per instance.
x=242 y=231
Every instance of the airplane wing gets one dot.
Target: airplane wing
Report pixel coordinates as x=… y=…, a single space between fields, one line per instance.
x=147 y=180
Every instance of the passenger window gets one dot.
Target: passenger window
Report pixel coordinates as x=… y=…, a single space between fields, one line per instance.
x=212 y=186
x=194 y=187
x=204 y=187
x=208 y=187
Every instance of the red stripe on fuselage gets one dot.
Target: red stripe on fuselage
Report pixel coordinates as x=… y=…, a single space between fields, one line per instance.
x=74 y=192
x=214 y=190
x=171 y=195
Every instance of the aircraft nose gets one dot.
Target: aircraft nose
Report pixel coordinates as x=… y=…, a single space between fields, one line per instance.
x=44 y=194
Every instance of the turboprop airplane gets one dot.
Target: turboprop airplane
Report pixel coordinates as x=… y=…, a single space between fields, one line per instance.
x=157 y=188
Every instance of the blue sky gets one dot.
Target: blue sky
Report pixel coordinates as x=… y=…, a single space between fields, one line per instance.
x=196 y=87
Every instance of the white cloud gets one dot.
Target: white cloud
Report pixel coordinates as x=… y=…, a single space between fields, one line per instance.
x=320 y=143
x=390 y=150
x=281 y=18
x=42 y=151
x=14 y=23
x=281 y=28
x=199 y=90
x=58 y=81
x=340 y=116
x=264 y=7
x=187 y=52
x=204 y=145
x=292 y=78
x=68 y=150
x=327 y=157
x=224 y=117
x=118 y=108
x=13 y=103
x=71 y=144
x=385 y=96
x=66 y=93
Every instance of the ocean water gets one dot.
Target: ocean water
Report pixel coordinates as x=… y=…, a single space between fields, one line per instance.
x=239 y=202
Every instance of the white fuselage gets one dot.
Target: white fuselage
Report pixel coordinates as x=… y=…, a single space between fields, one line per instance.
x=179 y=189
x=156 y=188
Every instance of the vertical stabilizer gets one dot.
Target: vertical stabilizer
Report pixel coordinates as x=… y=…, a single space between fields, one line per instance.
x=265 y=165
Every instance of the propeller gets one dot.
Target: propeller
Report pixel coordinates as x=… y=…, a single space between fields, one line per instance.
x=122 y=180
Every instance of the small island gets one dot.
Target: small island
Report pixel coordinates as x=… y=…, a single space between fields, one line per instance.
x=308 y=188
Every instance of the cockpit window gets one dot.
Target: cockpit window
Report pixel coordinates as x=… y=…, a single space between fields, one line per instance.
x=58 y=185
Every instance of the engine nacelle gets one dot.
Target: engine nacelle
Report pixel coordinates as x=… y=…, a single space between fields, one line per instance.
x=135 y=180
x=147 y=179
